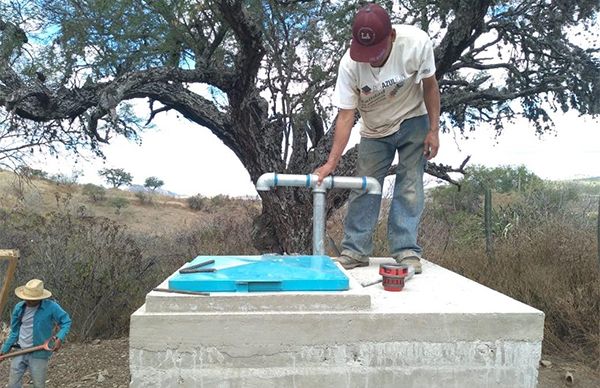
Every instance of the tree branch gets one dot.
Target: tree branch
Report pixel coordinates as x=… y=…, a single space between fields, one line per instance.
x=249 y=37
x=441 y=171
x=493 y=94
x=154 y=112
x=462 y=32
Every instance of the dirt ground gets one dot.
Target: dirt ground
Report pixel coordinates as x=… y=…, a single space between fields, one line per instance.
x=106 y=364
x=96 y=364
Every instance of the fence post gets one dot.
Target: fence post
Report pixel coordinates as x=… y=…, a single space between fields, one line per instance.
x=487 y=212
x=598 y=230
x=12 y=256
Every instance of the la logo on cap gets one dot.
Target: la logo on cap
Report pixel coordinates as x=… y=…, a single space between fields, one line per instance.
x=371 y=27
x=366 y=36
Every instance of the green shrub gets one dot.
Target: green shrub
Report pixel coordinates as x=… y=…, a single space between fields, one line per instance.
x=196 y=202
x=119 y=203
x=219 y=201
x=94 y=192
x=143 y=197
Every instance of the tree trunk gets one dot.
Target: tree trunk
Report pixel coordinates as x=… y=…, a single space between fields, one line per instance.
x=285 y=225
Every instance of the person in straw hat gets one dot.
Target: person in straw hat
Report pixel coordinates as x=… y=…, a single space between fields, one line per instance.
x=32 y=322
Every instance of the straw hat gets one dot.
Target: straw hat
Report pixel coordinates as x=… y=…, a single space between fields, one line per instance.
x=33 y=290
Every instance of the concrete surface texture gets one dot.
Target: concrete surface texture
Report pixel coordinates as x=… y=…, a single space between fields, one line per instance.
x=442 y=330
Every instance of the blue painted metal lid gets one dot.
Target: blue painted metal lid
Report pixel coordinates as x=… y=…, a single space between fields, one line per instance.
x=265 y=273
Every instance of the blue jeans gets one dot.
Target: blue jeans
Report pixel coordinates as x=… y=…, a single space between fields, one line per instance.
x=37 y=368
x=375 y=156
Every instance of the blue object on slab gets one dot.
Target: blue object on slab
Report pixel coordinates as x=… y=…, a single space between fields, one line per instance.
x=267 y=273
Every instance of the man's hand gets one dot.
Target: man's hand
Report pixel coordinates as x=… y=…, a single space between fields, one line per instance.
x=431 y=144
x=324 y=171
x=57 y=344
x=431 y=96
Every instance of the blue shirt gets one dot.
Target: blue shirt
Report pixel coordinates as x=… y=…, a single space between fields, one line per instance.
x=47 y=315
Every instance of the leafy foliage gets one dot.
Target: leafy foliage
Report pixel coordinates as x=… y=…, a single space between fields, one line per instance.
x=116 y=177
x=119 y=203
x=66 y=179
x=477 y=179
x=197 y=202
x=94 y=192
x=520 y=197
x=153 y=183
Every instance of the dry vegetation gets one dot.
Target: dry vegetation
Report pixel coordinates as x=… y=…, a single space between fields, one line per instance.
x=102 y=260
x=545 y=253
x=140 y=214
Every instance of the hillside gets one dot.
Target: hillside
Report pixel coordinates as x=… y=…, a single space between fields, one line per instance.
x=139 y=211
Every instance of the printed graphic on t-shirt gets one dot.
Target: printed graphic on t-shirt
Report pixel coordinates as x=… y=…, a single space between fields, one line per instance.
x=374 y=94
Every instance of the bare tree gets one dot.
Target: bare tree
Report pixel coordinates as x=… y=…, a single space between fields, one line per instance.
x=269 y=67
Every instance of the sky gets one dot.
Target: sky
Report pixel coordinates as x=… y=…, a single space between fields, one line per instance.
x=191 y=160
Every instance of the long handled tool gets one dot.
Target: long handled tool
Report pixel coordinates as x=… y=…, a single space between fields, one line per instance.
x=49 y=345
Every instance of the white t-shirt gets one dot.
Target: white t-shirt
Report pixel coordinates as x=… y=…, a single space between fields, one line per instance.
x=388 y=95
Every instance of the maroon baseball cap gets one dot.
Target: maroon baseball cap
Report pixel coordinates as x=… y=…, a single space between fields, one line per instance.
x=370 y=29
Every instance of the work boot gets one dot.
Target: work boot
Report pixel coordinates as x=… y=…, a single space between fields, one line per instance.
x=414 y=261
x=349 y=263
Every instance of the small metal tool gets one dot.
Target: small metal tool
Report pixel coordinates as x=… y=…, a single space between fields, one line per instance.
x=181 y=292
x=196 y=268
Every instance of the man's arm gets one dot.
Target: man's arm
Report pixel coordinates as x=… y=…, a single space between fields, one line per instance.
x=14 y=333
x=343 y=128
x=431 y=96
x=64 y=321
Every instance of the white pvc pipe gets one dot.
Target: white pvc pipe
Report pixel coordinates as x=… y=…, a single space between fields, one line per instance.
x=271 y=179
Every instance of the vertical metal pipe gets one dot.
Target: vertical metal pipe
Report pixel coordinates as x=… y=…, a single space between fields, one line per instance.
x=271 y=179
x=318 y=221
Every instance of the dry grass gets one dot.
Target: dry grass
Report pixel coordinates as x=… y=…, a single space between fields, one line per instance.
x=100 y=260
x=164 y=213
x=553 y=268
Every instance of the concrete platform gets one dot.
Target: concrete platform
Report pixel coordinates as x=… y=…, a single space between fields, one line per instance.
x=441 y=330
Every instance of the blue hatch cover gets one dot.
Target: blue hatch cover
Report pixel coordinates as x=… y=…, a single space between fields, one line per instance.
x=265 y=273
